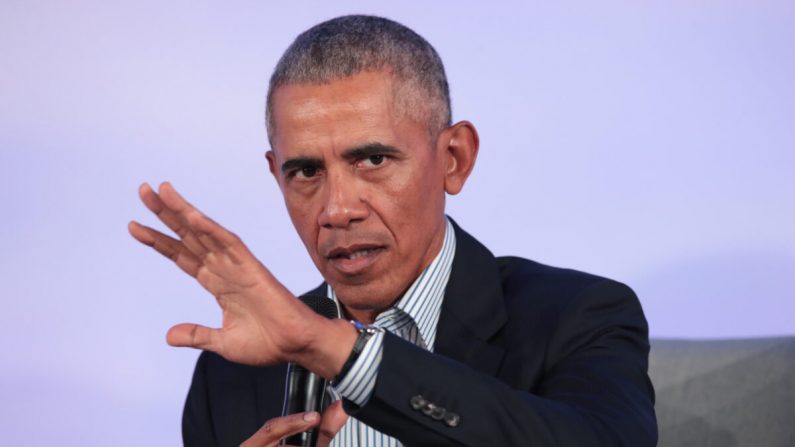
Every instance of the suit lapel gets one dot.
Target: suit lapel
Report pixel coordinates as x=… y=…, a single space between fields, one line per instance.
x=473 y=309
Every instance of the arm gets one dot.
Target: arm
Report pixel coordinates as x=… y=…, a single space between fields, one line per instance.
x=593 y=388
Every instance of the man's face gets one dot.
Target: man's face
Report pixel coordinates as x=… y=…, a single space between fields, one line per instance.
x=364 y=186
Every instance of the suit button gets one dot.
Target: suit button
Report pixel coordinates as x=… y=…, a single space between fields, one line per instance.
x=429 y=409
x=438 y=413
x=452 y=419
x=418 y=402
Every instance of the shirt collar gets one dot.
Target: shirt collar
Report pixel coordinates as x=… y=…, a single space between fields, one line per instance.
x=422 y=302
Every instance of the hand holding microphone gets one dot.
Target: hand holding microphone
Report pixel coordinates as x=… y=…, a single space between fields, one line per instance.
x=273 y=431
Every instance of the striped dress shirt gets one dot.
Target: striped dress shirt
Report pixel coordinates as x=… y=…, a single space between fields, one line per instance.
x=413 y=318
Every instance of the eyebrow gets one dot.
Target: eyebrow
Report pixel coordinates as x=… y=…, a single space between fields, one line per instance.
x=368 y=150
x=354 y=153
x=301 y=163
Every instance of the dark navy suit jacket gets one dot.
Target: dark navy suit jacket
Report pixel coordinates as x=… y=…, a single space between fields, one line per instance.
x=526 y=354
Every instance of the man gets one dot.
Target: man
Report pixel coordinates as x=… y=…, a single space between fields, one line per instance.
x=478 y=350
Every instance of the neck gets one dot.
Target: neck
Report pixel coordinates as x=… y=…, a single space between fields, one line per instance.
x=366 y=315
x=362 y=316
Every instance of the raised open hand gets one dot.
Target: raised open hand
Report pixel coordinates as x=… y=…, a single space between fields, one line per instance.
x=263 y=323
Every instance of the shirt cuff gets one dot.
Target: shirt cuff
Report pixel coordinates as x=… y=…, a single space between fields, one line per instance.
x=358 y=384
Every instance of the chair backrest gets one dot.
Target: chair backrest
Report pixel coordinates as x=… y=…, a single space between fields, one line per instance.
x=724 y=392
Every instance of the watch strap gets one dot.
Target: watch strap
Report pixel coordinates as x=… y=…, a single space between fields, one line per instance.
x=366 y=332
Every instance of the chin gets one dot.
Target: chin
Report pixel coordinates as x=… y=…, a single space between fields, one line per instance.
x=365 y=297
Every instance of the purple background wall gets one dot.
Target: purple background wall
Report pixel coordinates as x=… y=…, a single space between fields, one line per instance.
x=652 y=142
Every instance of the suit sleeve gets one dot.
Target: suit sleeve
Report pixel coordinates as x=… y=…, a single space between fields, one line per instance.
x=593 y=390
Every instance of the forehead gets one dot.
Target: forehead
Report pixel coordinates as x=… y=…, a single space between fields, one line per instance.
x=354 y=110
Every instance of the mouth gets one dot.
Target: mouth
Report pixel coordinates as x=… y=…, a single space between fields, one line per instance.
x=354 y=259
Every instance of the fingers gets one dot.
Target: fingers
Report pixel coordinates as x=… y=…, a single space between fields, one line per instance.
x=279 y=428
x=214 y=235
x=174 y=220
x=333 y=419
x=199 y=235
x=166 y=246
x=193 y=336
x=210 y=234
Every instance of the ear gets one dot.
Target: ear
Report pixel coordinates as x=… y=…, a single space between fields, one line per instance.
x=458 y=144
x=272 y=165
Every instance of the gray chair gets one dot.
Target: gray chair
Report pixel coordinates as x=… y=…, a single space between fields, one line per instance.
x=724 y=393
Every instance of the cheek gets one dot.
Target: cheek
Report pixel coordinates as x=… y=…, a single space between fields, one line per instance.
x=419 y=191
x=301 y=215
x=410 y=201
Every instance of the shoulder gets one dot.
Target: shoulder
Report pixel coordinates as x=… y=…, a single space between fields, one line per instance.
x=538 y=297
x=565 y=300
x=522 y=277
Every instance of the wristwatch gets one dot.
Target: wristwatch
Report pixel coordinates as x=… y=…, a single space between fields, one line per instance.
x=366 y=331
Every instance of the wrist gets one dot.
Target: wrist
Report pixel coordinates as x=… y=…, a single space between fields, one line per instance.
x=329 y=348
x=366 y=332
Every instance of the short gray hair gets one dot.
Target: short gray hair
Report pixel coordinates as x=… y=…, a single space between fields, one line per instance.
x=348 y=45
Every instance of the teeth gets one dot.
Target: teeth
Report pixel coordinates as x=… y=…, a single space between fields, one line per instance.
x=359 y=253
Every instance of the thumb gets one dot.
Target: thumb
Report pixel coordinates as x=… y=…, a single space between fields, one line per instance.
x=193 y=336
x=332 y=421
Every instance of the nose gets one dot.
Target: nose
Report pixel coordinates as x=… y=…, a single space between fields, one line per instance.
x=344 y=203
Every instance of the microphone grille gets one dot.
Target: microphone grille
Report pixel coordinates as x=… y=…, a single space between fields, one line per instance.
x=322 y=305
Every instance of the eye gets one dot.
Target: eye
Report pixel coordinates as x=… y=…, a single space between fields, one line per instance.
x=308 y=172
x=304 y=173
x=373 y=160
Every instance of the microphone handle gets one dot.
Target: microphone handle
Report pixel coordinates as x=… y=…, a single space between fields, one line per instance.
x=304 y=392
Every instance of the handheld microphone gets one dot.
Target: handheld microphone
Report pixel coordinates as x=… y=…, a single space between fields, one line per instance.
x=304 y=390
